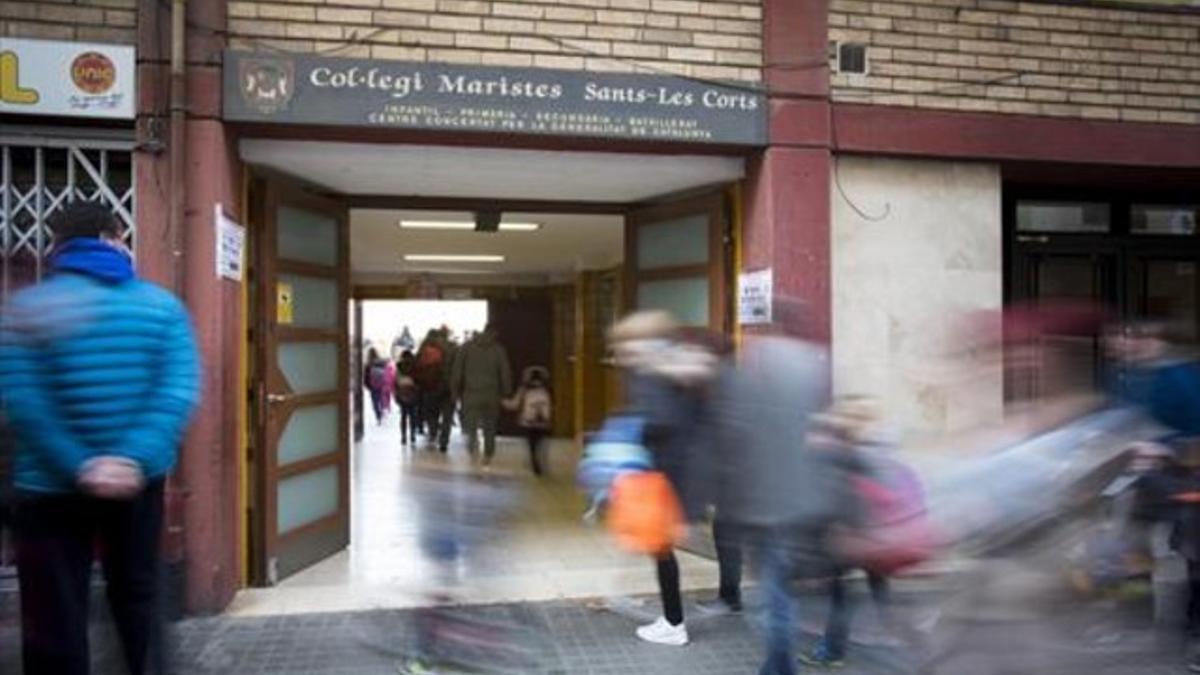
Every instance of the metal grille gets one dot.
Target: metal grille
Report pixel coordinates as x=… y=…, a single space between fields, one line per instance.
x=39 y=176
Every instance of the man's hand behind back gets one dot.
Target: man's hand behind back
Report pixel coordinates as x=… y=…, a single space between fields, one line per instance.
x=111 y=477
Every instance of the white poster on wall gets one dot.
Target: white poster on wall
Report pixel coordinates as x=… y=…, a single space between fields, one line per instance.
x=71 y=79
x=231 y=246
x=754 y=297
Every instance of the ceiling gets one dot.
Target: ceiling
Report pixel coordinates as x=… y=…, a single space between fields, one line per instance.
x=566 y=243
x=489 y=173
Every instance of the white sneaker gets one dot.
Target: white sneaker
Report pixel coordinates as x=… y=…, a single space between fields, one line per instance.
x=662 y=633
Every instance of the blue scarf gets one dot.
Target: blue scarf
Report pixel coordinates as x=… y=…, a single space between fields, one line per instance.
x=93 y=258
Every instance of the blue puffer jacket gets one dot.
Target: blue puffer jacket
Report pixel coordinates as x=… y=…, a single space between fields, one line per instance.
x=95 y=362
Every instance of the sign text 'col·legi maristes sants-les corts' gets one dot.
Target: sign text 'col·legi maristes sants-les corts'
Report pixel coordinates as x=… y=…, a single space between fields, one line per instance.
x=313 y=90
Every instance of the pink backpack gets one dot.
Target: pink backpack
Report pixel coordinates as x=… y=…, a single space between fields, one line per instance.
x=897 y=532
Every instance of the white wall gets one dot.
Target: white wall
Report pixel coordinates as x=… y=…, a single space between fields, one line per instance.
x=927 y=252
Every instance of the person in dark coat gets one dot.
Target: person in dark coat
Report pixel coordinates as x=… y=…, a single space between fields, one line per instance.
x=1161 y=377
x=407 y=396
x=667 y=381
x=432 y=375
x=482 y=379
x=6 y=492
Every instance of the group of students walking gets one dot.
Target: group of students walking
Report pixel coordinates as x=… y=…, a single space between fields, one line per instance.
x=804 y=485
x=441 y=380
x=756 y=444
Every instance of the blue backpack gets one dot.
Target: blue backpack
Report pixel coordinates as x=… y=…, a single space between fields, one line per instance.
x=615 y=449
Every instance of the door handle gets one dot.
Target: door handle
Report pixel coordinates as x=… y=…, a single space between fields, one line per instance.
x=278 y=398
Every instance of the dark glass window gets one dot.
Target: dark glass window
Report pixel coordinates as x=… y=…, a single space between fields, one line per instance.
x=1056 y=216
x=1164 y=218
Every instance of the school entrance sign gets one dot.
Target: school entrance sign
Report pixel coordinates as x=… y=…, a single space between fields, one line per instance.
x=312 y=90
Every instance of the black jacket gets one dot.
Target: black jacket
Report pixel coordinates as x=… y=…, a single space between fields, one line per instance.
x=677 y=431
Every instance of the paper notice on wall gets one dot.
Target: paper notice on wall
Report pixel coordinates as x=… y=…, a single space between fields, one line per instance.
x=284 y=304
x=231 y=246
x=754 y=297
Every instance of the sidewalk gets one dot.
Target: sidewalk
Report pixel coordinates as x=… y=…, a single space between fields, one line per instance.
x=575 y=638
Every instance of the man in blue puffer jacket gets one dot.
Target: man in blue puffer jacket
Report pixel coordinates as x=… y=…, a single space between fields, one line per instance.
x=100 y=375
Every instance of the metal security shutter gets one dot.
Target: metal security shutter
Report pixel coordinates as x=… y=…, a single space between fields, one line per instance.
x=41 y=174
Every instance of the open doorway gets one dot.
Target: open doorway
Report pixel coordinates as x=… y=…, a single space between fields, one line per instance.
x=553 y=277
x=430 y=270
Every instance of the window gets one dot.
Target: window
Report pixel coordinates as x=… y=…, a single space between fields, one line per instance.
x=852 y=58
x=1053 y=216
x=1164 y=219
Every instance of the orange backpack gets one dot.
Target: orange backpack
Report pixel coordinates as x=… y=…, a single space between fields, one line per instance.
x=644 y=514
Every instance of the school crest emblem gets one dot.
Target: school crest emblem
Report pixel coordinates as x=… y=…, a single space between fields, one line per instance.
x=267 y=84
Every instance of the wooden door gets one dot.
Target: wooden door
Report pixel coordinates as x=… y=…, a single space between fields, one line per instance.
x=676 y=259
x=599 y=383
x=358 y=394
x=303 y=380
x=525 y=327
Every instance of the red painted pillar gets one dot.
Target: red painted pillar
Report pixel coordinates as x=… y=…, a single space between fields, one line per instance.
x=201 y=538
x=787 y=224
x=209 y=467
x=787 y=229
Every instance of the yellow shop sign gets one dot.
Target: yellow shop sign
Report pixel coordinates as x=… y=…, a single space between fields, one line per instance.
x=67 y=79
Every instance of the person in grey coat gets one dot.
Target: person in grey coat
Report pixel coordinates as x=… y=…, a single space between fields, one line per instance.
x=482 y=378
x=779 y=495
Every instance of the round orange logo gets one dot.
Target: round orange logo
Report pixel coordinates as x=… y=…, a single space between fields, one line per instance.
x=93 y=73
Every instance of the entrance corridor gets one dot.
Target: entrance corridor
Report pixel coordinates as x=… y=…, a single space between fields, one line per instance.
x=544 y=553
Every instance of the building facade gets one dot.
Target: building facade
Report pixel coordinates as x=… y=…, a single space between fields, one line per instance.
x=893 y=164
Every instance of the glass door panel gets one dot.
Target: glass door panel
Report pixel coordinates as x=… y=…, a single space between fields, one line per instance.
x=304 y=468
x=1087 y=279
x=673 y=243
x=686 y=299
x=1168 y=289
x=314 y=301
x=676 y=261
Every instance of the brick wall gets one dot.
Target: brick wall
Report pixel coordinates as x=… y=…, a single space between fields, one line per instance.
x=112 y=21
x=700 y=38
x=1024 y=57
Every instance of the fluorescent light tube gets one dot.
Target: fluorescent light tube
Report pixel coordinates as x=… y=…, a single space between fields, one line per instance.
x=465 y=225
x=431 y=257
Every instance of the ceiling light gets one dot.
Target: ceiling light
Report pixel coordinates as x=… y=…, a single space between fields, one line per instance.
x=465 y=225
x=429 y=257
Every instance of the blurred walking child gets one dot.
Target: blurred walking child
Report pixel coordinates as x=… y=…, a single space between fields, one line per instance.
x=889 y=530
x=407 y=397
x=390 y=374
x=375 y=380
x=534 y=406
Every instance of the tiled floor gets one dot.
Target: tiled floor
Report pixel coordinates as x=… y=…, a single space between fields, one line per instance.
x=546 y=553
